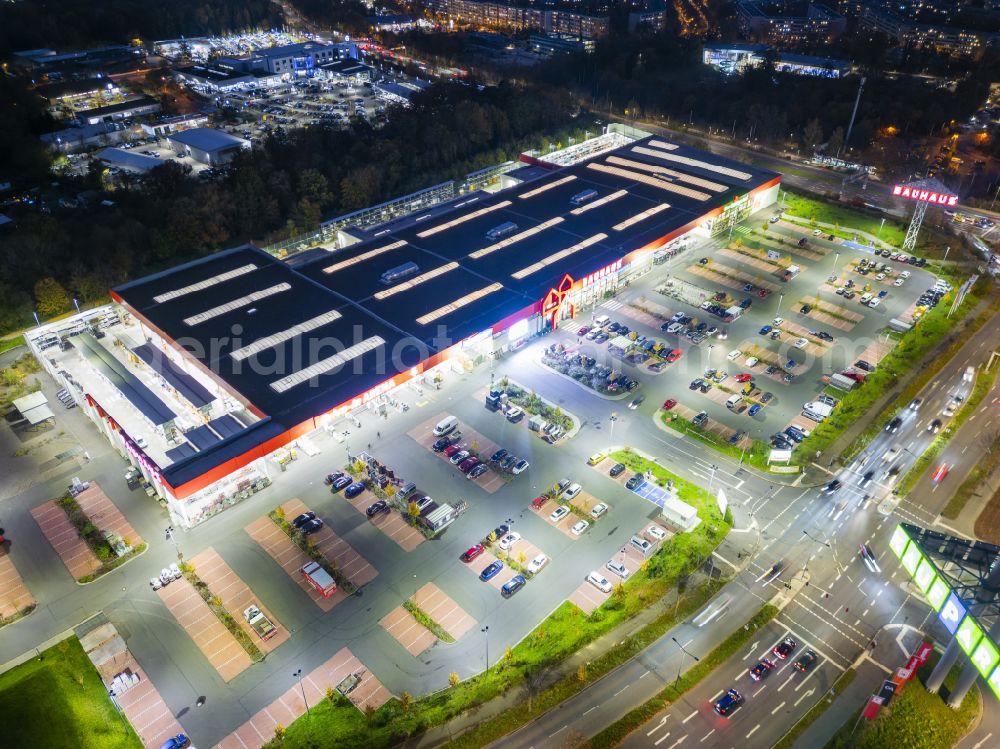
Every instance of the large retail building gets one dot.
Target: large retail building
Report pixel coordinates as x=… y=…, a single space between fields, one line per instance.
x=208 y=375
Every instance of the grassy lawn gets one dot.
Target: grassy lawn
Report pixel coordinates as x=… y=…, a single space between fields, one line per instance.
x=817 y=710
x=617 y=731
x=756 y=456
x=914 y=719
x=526 y=665
x=843 y=216
x=58 y=700
x=973 y=483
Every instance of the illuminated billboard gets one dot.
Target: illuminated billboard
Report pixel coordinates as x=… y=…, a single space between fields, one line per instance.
x=924 y=196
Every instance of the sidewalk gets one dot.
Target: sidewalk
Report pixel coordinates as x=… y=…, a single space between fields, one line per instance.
x=472 y=718
x=844 y=706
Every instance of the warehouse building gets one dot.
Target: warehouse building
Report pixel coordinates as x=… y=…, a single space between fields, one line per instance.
x=210 y=376
x=206 y=145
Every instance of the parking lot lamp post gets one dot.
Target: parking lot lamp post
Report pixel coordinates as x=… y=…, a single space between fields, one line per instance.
x=836 y=262
x=880 y=225
x=781 y=298
x=486 y=638
x=170 y=534
x=614 y=418
x=680 y=665
x=298 y=675
x=510 y=524
x=713 y=468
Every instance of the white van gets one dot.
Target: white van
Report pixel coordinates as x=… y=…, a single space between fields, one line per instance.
x=810 y=414
x=641 y=545
x=445 y=426
x=734 y=401
x=865 y=298
x=602 y=321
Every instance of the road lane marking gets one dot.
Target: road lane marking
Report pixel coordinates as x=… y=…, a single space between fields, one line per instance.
x=590 y=709
x=753 y=730
x=778 y=708
x=658 y=726
x=622 y=689
x=644 y=674
x=984 y=740
x=713 y=731
x=661 y=739
x=804 y=695
x=785 y=683
x=557 y=731
x=675 y=743
x=689 y=717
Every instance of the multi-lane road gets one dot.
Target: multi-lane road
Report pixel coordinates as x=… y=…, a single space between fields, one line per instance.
x=846 y=605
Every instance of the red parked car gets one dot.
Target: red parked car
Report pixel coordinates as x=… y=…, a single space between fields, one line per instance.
x=451 y=450
x=537 y=502
x=583 y=331
x=668 y=404
x=744 y=377
x=472 y=553
x=674 y=355
x=468 y=464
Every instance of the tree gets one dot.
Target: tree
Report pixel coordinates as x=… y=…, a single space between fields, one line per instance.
x=405 y=700
x=50 y=297
x=413 y=511
x=812 y=135
x=836 y=142
x=370 y=711
x=454 y=679
x=314 y=186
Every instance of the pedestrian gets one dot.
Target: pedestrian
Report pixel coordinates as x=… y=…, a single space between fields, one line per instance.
x=369 y=447
x=378 y=435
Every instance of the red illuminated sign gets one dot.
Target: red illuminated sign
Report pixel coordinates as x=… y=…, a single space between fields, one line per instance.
x=602 y=273
x=924 y=196
x=553 y=302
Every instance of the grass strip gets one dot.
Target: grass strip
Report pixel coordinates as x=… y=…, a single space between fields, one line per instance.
x=974 y=481
x=915 y=719
x=307 y=546
x=17 y=615
x=95 y=540
x=984 y=383
x=7 y=344
x=756 y=455
x=817 y=710
x=215 y=604
x=621 y=728
x=858 y=403
x=425 y=621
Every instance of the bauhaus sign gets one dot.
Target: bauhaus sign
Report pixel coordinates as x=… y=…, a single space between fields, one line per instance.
x=924 y=196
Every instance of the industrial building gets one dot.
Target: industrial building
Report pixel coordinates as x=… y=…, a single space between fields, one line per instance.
x=206 y=145
x=136 y=106
x=210 y=376
x=735 y=58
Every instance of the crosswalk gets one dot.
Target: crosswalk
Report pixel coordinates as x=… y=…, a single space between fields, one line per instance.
x=612 y=304
x=742 y=230
x=570 y=326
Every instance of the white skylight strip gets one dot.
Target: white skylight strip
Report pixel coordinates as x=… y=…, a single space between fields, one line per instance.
x=718 y=169
x=598 y=203
x=462 y=219
x=363 y=256
x=556 y=257
x=236 y=304
x=517 y=237
x=459 y=303
x=640 y=217
x=439 y=271
x=651 y=181
x=683 y=177
x=271 y=341
x=549 y=186
x=206 y=283
x=325 y=365
x=663 y=144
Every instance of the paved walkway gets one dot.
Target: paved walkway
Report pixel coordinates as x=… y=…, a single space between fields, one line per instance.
x=72 y=549
x=105 y=515
x=290 y=558
x=216 y=642
x=289 y=706
x=14 y=595
x=235 y=596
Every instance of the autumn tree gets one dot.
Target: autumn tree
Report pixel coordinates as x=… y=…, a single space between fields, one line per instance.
x=50 y=297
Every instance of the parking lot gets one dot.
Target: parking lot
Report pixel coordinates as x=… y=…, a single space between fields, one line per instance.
x=717 y=331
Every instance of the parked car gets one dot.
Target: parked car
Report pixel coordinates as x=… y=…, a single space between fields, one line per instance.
x=478 y=471
x=599 y=581
x=536 y=564
x=618 y=568
x=633 y=483
x=377 y=507
x=520 y=467
x=340 y=482
x=472 y=552
x=498 y=455
x=311 y=526
x=468 y=464
x=559 y=513
x=513 y=585
x=491 y=571
x=805 y=662
x=304 y=518
x=579 y=527
x=508 y=541
x=458 y=457
x=784 y=648
x=354 y=489
x=617 y=469
x=599 y=509
x=656 y=532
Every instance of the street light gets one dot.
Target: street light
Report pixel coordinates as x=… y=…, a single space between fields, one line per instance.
x=614 y=418
x=711 y=478
x=298 y=675
x=684 y=652
x=824 y=543
x=486 y=636
x=169 y=534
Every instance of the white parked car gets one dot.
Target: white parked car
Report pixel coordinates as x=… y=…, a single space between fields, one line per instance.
x=800 y=342
x=571 y=492
x=880 y=277
x=599 y=509
x=558 y=514
x=536 y=564
x=904 y=274
x=734 y=355
x=579 y=528
x=777 y=322
x=520 y=466
x=599 y=581
x=509 y=540
x=656 y=532
x=874 y=302
x=899 y=282
x=753 y=361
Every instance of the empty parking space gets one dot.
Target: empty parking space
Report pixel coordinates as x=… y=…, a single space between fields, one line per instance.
x=652 y=492
x=585 y=501
x=15 y=594
x=105 y=515
x=391 y=524
x=145 y=709
x=588 y=597
x=215 y=642
x=834 y=321
x=749 y=257
x=336 y=550
x=235 y=596
x=876 y=351
x=521 y=550
x=259 y=729
x=72 y=549
x=290 y=558
x=563 y=524
x=407 y=631
x=439 y=607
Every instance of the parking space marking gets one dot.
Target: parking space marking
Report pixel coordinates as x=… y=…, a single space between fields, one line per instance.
x=290 y=558
x=335 y=549
x=15 y=593
x=62 y=535
x=442 y=609
x=145 y=709
x=587 y=597
x=391 y=524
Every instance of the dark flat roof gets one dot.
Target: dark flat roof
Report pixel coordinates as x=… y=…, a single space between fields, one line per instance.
x=228 y=301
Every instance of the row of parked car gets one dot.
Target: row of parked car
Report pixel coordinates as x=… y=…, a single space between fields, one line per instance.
x=585 y=370
x=695 y=331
